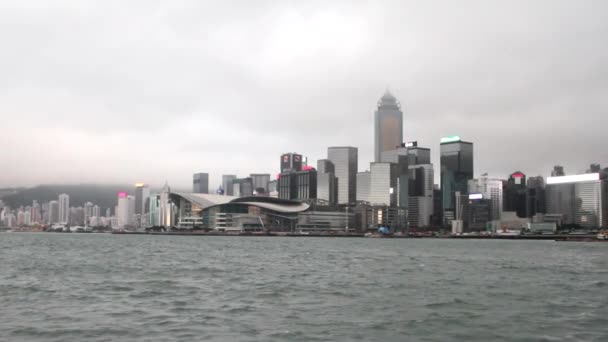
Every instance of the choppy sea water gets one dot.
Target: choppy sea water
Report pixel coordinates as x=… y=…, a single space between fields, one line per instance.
x=99 y=287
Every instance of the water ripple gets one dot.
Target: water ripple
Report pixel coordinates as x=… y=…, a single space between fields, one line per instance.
x=76 y=287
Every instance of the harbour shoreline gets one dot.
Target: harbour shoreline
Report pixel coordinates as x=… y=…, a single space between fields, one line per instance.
x=548 y=237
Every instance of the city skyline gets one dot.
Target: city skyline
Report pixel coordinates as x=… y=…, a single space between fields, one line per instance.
x=455 y=81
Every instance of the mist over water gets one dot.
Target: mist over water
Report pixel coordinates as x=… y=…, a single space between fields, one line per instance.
x=89 y=287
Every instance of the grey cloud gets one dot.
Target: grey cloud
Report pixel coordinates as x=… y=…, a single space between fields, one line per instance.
x=164 y=89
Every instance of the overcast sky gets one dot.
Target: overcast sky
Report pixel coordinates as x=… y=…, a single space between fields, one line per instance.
x=126 y=91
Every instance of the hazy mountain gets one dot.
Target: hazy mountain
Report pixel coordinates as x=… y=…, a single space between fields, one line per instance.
x=103 y=195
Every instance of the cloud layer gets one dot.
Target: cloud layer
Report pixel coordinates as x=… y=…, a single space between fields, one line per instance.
x=115 y=92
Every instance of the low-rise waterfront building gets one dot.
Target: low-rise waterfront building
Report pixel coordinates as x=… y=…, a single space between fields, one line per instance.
x=582 y=200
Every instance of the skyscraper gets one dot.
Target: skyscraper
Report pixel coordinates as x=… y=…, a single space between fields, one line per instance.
x=53 y=212
x=298 y=185
x=388 y=125
x=558 y=171
x=88 y=213
x=345 y=160
x=64 y=209
x=421 y=206
x=260 y=183
x=272 y=188
x=227 y=181
x=580 y=199
x=417 y=155
x=490 y=189
x=142 y=196
x=242 y=187
x=327 y=183
x=515 y=194
x=399 y=158
x=383 y=184
x=535 y=196
x=325 y=166
x=364 y=183
x=96 y=211
x=36 y=213
x=200 y=183
x=154 y=211
x=76 y=216
x=475 y=212
x=456 y=169
x=122 y=209
x=165 y=207
x=291 y=162
x=594 y=168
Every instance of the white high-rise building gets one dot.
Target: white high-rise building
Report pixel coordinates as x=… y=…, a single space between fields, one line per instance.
x=20 y=218
x=96 y=211
x=53 y=212
x=64 y=209
x=227 y=184
x=36 y=213
x=165 y=207
x=142 y=196
x=27 y=218
x=10 y=220
x=490 y=189
x=88 y=213
x=382 y=191
x=125 y=210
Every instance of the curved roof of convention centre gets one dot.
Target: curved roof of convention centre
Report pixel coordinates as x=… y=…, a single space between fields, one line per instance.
x=205 y=201
x=271 y=203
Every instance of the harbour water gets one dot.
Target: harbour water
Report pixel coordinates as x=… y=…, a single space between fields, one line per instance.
x=101 y=287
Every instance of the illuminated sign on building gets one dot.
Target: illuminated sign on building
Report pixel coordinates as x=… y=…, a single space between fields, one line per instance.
x=475 y=196
x=518 y=175
x=139 y=185
x=411 y=144
x=588 y=177
x=122 y=195
x=451 y=138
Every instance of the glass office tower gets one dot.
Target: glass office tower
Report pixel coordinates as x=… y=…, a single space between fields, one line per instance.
x=200 y=183
x=456 y=158
x=142 y=196
x=345 y=160
x=327 y=183
x=227 y=184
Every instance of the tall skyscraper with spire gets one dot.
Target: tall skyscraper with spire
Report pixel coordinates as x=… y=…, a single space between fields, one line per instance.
x=388 y=125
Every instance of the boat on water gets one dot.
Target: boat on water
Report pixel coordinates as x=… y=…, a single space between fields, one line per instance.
x=382 y=232
x=602 y=235
x=378 y=235
x=57 y=227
